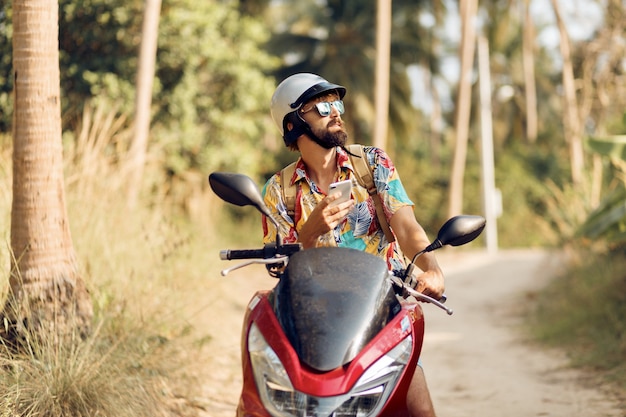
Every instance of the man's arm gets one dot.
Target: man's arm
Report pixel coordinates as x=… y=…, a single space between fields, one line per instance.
x=412 y=238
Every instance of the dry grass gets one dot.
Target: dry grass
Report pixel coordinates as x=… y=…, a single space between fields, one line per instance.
x=583 y=311
x=142 y=266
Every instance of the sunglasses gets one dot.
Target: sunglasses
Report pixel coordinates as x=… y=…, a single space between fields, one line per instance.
x=323 y=107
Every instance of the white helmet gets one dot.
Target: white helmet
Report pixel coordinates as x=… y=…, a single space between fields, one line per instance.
x=293 y=92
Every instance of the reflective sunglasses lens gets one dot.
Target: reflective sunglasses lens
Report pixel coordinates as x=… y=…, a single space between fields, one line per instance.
x=339 y=106
x=324 y=109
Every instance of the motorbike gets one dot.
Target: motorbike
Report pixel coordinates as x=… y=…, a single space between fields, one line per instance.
x=339 y=335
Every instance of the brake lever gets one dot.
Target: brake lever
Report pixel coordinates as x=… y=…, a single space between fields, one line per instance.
x=279 y=259
x=419 y=296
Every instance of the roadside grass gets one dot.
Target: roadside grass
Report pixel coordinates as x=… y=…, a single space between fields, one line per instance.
x=584 y=312
x=98 y=376
x=146 y=268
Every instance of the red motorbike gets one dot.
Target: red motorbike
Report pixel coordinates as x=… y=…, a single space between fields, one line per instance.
x=339 y=335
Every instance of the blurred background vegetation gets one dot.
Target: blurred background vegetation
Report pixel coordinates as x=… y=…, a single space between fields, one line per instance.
x=216 y=67
x=218 y=62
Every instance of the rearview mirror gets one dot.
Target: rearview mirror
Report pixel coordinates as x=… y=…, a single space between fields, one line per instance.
x=460 y=230
x=238 y=189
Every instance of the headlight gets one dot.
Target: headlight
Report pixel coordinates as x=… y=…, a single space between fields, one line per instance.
x=366 y=398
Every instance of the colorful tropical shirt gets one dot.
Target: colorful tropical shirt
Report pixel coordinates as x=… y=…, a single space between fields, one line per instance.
x=360 y=229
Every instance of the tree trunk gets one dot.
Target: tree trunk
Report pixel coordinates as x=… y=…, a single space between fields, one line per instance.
x=571 y=118
x=528 y=62
x=145 y=80
x=463 y=107
x=435 y=121
x=46 y=291
x=383 y=45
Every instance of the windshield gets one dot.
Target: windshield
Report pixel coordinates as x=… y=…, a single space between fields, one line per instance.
x=331 y=302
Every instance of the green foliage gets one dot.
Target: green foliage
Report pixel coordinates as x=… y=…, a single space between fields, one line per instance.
x=607 y=222
x=211 y=95
x=99 y=41
x=611 y=146
x=584 y=310
x=6 y=71
x=212 y=98
x=524 y=176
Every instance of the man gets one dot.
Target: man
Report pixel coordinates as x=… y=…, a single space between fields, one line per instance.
x=307 y=110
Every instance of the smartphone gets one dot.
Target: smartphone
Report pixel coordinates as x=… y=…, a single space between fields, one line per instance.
x=344 y=187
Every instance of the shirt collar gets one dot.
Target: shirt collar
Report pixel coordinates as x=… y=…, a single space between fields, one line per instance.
x=343 y=163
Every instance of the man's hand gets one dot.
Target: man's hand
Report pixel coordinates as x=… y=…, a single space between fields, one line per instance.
x=431 y=283
x=323 y=218
x=412 y=240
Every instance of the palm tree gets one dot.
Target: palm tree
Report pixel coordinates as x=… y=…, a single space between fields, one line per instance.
x=383 y=41
x=463 y=107
x=528 y=62
x=46 y=290
x=143 y=100
x=571 y=116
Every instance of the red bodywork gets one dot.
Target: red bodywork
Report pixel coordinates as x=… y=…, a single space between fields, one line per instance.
x=335 y=382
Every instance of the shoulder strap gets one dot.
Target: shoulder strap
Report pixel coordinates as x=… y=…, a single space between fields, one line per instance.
x=365 y=178
x=288 y=190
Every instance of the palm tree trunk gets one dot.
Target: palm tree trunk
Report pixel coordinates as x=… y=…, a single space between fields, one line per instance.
x=383 y=45
x=46 y=291
x=571 y=118
x=145 y=78
x=463 y=107
x=528 y=62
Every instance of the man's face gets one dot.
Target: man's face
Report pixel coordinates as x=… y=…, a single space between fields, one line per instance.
x=328 y=129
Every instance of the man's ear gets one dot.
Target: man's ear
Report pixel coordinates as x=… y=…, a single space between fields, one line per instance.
x=289 y=126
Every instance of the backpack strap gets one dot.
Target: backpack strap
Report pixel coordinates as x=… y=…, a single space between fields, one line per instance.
x=288 y=190
x=365 y=178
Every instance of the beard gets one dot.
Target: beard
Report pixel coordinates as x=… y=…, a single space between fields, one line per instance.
x=329 y=140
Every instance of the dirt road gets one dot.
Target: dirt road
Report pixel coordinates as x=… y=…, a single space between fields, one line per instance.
x=477 y=361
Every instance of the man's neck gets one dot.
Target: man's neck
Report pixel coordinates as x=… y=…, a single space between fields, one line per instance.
x=321 y=163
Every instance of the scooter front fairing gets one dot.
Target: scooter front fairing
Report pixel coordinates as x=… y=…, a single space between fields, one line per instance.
x=330 y=340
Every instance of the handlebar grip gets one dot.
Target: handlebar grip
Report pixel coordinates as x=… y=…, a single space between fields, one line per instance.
x=230 y=254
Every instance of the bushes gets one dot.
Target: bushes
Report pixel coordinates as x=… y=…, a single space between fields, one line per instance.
x=584 y=311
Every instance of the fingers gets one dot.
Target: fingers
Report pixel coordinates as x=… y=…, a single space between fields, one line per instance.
x=341 y=208
x=337 y=210
x=430 y=285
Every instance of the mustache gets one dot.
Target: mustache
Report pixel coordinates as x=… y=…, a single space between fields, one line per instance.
x=337 y=122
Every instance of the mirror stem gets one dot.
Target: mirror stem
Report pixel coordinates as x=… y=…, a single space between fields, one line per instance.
x=411 y=267
x=409 y=270
x=435 y=245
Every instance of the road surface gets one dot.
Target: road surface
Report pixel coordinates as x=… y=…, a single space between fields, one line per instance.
x=478 y=361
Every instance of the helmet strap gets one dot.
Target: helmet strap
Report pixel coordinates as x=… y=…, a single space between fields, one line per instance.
x=300 y=127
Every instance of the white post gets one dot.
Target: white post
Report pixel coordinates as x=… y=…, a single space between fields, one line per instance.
x=490 y=195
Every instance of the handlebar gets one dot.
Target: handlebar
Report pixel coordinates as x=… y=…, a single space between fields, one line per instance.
x=271 y=255
x=230 y=254
x=270 y=250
